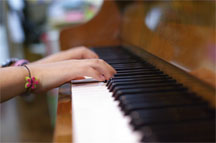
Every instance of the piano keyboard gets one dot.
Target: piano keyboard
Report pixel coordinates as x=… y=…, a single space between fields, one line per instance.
x=157 y=107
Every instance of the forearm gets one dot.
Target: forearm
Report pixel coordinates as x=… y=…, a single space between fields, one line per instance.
x=12 y=82
x=51 y=75
x=73 y=53
x=52 y=58
x=61 y=56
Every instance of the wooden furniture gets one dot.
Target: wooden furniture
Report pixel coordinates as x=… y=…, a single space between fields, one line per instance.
x=177 y=37
x=103 y=29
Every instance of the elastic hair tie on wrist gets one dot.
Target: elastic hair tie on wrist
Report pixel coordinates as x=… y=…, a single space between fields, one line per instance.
x=21 y=62
x=31 y=82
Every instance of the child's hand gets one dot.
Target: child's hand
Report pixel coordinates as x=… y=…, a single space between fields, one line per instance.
x=73 y=53
x=52 y=75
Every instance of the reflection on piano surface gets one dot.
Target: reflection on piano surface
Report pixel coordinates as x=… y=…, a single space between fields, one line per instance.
x=165 y=82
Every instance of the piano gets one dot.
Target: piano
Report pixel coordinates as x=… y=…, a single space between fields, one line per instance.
x=164 y=89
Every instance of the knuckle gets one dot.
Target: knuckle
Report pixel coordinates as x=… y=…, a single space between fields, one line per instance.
x=97 y=61
x=84 y=48
x=101 y=61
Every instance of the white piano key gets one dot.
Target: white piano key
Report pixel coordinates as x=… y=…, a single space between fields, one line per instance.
x=97 y=118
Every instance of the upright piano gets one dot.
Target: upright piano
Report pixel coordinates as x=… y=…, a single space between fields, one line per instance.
x=164 y=90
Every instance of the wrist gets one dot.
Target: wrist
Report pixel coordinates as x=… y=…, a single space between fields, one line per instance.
x=31 y=81
x=21 y=62
x=35 y=72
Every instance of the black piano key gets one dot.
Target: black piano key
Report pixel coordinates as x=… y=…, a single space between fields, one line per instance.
x=124 y=67
x=157 y=116
x=105 y=54
x=122 y=61
x=131 y=72
x=148 y=79
x=148 y=82
x=117 y=56
x=141 y=63
x=107 y=57
x=129 y=97
x=140 y=98
x=194 y=131
x=132 y=65
x=133 y=97
x=150 y=102
x=137 y=67
x=135 y=70
x=114 y=50
x=118 y=93
x=140 y=77
x=137 y=77
x=138 y=73
x=127 y=57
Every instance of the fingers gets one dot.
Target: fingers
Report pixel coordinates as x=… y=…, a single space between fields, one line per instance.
x=95 y=68
x=88 y=54
x=92 y=55
x=95 y=74
x=103 y=68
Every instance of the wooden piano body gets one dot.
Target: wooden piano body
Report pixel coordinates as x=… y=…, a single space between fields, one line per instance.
x=177 y=37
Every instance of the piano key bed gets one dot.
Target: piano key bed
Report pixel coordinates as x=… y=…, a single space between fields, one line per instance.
x=159 y=108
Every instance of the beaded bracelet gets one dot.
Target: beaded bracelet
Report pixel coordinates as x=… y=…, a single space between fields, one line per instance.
x=31 y=82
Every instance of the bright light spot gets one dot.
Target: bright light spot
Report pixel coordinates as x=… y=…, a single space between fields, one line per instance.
x=152 y=18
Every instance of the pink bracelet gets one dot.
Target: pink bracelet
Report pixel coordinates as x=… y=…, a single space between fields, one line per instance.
x=21 y=62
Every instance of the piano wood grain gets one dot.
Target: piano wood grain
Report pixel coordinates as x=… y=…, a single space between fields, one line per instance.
x=63 y=126
x=102 y=30
x=181 y=33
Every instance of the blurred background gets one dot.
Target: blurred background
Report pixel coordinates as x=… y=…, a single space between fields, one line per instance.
x=29 y=29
